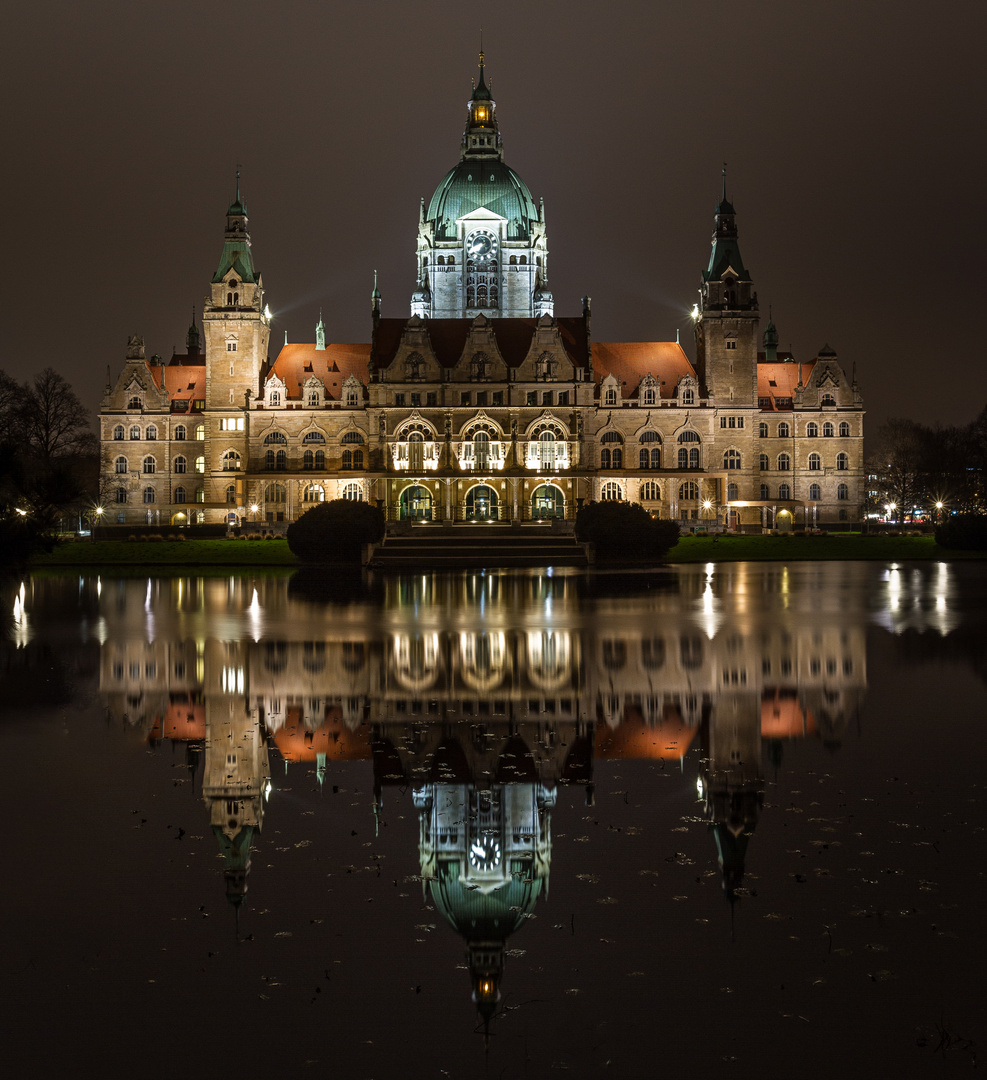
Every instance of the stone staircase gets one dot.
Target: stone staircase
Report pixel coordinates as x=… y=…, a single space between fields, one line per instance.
x=434 y=547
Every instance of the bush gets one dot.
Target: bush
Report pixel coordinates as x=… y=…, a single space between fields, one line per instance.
x=968 y=532
x=335 y=530
x=623 y=530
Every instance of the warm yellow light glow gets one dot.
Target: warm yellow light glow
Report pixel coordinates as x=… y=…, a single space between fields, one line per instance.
x=253 y=508
x=695 y=312
x=706 y=504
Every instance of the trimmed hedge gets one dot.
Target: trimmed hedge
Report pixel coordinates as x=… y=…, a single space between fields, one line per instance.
x=625 y=531
x=335 y=531
x=966 y=532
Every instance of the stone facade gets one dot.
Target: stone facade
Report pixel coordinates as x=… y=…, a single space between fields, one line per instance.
x=483 y=405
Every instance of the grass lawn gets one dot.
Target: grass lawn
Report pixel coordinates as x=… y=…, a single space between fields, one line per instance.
x=729 y=548
x=690 y=549
x=169 y=553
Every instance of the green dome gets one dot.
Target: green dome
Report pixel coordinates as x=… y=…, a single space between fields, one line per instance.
x=485 y=916
x=482 y=182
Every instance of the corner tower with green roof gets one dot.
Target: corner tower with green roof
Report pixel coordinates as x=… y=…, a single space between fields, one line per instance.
x=235 y=322
x=727 y=319
x=482 y=243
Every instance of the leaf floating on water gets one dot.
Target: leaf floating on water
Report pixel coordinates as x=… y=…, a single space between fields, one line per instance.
x=515 y=954
x=590 y=879
x=303 y=843
x=283 y=933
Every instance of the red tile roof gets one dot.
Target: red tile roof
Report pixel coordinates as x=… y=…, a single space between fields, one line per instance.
x=630 y=361
x=333 y=365
x=181 y=381
x=780 y=380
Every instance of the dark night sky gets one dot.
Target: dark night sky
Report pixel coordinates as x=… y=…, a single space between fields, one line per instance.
x=853 y=132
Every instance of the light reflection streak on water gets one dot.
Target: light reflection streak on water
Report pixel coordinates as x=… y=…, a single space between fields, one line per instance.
x=22 y=631
x=256 y=613
x=919 y=599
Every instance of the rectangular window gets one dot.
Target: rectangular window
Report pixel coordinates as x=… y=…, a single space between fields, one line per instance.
x=532 y=397
x=464 y=398
x=723 y=421
x=481 y=398
x=416 y=400
x=399 y=399
x=231 y=424
x=432 y=399
x=546 y=398
x=498 y=397
x=731 y=344
x=740 y=421
x=231 y=346
x=563 y=397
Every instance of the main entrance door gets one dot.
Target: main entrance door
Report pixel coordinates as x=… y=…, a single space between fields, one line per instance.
x=547 y=502
x=416 y=504
x=481 y=503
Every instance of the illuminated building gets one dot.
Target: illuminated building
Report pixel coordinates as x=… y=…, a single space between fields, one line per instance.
x=484 y=405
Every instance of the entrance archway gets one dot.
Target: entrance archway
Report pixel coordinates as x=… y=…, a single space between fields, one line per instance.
x=784 y=521
x=416 y=504
x=481 y=503
x=547 y=502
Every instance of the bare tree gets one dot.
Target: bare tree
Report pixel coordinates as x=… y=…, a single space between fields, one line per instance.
x=898 y=464
x=55 y=423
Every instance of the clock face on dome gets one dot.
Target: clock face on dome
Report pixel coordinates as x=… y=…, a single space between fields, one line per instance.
x=485 y=852
x=480 y=245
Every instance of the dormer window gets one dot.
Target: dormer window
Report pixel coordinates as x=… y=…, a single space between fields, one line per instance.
x=610 y=396
x=231 y=346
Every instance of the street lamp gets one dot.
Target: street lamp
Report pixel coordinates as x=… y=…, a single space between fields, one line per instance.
x=707 y=504
x=98 y=515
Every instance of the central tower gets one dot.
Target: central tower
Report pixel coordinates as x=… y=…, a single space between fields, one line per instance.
x=482 y=244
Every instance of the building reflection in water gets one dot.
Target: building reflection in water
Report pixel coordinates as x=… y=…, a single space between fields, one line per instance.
x=482 y=693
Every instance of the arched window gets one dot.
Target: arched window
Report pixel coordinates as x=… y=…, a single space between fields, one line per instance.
x=231 y=461
x=135 y=432
x=308 y=459
x=828 y=399
x=180 y=494
x=231 y=495
x=784 y=462
x=732 y=493
x=314 y=493
x=762 y=429
x=276 y=438
x=134 y=403
x=784 y=491
x=815 y=463
x=281 y=460
x=784 y=430
x=275 y=493
x=811 y=430
x=844 y=430
x=689 y=491
x=765 y=492
x=688 y=397
x=180 y=464
x=179 y=433
x=648 y=396
x=352 y=397
x=200 y=464
x=118 y=432
x=314 y=398
x=315 y=437
x=320 y=460
x=352 y=437
x=612 y=454
x=611 y=492
x=120 y=465
x=275 y=399
x=650 y=492
x=842 y=491
x=815 y=492
x=200 y=496
x=148 y=495
x=763 y=461
x=842 y=462
x=200 y=432
x=149 y=464
x=610 y=396
x=827 y=430
x=731 y=459
x=151 y=433
x=121 y=496
x=353 y=492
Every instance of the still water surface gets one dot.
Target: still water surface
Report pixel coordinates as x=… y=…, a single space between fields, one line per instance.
x=713 y=821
